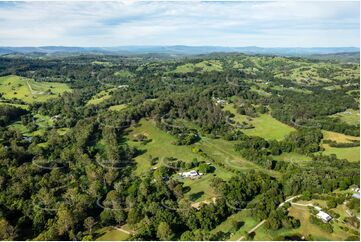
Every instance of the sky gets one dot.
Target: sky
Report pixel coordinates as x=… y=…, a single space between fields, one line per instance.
x=194 y=23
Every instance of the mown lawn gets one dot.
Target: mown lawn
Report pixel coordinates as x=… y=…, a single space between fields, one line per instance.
x=30 y=91
x=111 y=234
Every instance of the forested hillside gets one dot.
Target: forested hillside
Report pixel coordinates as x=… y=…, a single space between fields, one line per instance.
x=102 y=147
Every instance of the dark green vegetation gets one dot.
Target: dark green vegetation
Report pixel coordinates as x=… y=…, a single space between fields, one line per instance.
x=107 y=149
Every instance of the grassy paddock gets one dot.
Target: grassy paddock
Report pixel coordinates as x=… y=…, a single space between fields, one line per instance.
x=117 y=107
x=100 y=97
x=265 y=125
x=350 y=116
x=23 y=106
x=203 y=66
x=30 y=91
x=160 y=146
x=111 y=234
x=244 y=217
x=350 y=153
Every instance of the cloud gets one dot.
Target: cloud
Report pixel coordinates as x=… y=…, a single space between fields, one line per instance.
x=188 y=23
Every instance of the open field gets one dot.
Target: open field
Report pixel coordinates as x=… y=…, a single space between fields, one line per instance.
x=305 y=230
x=349 y=153
x=160 y=146
x=338 y=137
x=100 y=97
x=293 y=157
x=103 y=63
x=111 y=234
x=350 y=116
x=243 y=217
x=265 y=125
x=117 y=107
x=223 y=151
x=23 y=106
x=123 y=74
x=30 y=91
x=204 y=66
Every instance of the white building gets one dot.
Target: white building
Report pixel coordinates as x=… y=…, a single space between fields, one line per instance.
x=191 y=174
x=324 y=216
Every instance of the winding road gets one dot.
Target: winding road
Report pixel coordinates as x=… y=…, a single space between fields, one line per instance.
x=263 y=221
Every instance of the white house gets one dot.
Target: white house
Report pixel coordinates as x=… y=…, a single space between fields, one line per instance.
x=191 y=174
x=324 y=216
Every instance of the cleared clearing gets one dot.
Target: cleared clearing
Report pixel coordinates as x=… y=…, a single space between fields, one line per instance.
x=30 y=91
x=117 y=107
x=204 y=66
x=101 y=97
x=350 y=116
x=265 y=125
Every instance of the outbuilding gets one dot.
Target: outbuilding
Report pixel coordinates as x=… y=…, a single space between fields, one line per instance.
x=324 y=216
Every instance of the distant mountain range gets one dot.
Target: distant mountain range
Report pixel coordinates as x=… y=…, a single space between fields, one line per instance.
x=177 y=50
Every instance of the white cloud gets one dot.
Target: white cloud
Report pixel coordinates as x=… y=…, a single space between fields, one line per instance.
x=170 y=23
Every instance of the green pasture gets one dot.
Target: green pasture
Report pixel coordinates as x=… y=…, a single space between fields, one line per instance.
x=23 y=106
x=111 y=234
x=203 y=66
x=117 y=107
x=101 y=97
x=246 y=220
x=265 y=125
x=350 y=153
x=160 y=146
x=349 y=116
x=123 y=74
x=30 y=91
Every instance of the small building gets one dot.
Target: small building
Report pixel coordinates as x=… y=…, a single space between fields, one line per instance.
x=190 y=174
x=324 y=216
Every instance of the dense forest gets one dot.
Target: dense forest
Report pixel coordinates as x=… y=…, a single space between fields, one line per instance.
x=74 y=142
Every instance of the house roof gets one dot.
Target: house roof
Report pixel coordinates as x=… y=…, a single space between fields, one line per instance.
x=324 y=216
